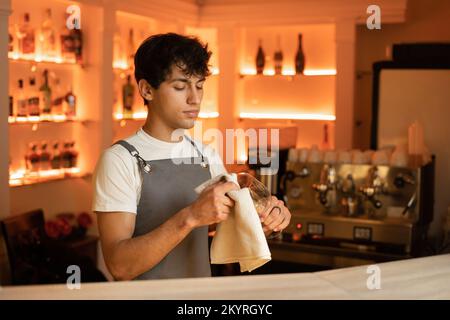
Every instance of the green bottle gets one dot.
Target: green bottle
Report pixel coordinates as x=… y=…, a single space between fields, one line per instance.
x=46 y=94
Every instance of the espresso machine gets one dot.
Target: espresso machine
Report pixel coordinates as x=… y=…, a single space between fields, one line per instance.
x=347 y=214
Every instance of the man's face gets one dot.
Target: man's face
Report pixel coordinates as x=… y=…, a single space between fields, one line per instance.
x=177 y=100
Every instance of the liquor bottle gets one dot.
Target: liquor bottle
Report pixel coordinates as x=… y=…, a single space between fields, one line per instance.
x=56 y=156
x=48 y=36
x=130 y=50
x=70 y=105
x=21 y=108
x=67 y=43
x=44 y=157
x=33 y=100
x=77 y=38
x=32 y=158
x=260 y=59
x=128 y=98
x=26 y=38
x=66 y=155
x=10 y=40
x=278 y=57
x=46 y=95
x=299 y=57
x=73 y=155
x=11 y=106
x=57 y=104
x=118 y=48
x=325 y=142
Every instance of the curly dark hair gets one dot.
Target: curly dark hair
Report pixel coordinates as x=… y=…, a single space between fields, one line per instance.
x=156 y=55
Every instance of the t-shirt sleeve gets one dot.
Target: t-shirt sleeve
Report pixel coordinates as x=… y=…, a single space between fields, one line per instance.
x=114 y=185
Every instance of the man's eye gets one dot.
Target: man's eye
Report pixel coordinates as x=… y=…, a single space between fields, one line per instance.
x=179 y=88
x=200 y=87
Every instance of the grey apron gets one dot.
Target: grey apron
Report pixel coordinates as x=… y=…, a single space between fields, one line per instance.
x=166 y=189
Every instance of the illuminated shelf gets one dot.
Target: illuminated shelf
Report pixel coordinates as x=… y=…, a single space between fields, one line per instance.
x=287 y=116
x=58 y=118
x=143 y=116
x=288 y=73
x=14 y=57
x=22 y=178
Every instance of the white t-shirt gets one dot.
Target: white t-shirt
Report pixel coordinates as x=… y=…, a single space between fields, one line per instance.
x=117 y=178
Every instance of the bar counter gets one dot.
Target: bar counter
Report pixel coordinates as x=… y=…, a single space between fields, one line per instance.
x=420 y=278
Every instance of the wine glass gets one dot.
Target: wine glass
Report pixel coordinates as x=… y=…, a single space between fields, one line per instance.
x=259 y=193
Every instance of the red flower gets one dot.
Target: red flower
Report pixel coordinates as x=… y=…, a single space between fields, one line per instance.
x=84 y=220
x=64 y=226
x=52 y=229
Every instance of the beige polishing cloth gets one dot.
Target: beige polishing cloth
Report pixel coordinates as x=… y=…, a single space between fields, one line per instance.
x=240 y=238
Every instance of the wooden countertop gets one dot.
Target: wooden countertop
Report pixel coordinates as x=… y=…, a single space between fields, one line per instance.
x=421 y=278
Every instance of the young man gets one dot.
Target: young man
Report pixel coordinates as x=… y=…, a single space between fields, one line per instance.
x=152 y=224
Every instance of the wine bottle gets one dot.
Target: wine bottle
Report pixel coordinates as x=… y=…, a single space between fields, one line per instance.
x=57 y=104
x=77 y=38
x=73 y=155
x=56 y=156
x=32 y=158
x=44 y=157
x=128 y=98
x=67 y=43
x=131 y=50
x=26 y=37
x=260 y=59
x=10 y=41
x=325 y=142
x=33 y=100
x=11 y=106
x=48 y=36
x=21 y=109
x=118 y=48
x=278 y=57
x=299 y=57
x=46 y=95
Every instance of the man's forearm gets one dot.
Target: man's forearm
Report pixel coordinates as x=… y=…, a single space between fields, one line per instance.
x=132 y=257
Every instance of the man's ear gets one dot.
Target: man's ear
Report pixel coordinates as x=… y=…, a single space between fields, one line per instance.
x=146 y=90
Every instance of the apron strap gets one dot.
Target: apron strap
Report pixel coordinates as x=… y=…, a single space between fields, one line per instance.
x=133 y=151
x=203 y=163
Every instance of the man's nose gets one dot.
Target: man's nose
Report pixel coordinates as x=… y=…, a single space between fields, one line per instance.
x=194 y=96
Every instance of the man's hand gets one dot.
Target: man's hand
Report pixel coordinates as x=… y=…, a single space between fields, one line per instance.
x=212 y=205
x=276 y=217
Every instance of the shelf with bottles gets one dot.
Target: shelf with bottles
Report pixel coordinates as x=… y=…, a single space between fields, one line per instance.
x=48 y=103
x=41 y=42
x=46 y=163
x=288 y=51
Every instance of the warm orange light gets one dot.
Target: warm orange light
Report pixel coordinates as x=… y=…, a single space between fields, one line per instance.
x=39 y=58
x=122 y=65
x=287 y=116
x=215 y=70
x=22 y=177
x=291 y=72
x=41 y=118
x=208 y=115
x=320 y=72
